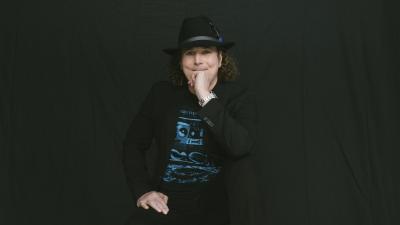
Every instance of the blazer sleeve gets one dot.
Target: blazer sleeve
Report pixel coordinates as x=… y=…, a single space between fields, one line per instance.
x=137 y=141
x=233 y=128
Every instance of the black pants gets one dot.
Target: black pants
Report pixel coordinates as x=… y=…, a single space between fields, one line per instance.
x=185 y=210
x=190 y=216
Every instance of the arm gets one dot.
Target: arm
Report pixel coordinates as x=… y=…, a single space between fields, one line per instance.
x=234 y=125
x=137 y=141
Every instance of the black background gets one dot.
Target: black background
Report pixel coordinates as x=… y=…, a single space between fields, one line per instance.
x=326 y=74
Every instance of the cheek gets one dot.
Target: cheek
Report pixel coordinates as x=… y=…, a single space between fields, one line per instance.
x=186 y=64
x=213 y=70
x=183 y=63
x=186 y=73
x=214 y=61
x=185 y=70
x=214 y=64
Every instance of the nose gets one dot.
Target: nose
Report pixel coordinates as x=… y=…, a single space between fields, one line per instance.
x=197 y=59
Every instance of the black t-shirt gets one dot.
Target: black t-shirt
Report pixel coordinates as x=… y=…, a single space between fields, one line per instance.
x=190 y=168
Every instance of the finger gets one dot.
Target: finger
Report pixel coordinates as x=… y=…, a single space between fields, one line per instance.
x=165 y=198
x=155 y=205
x=193 y=80
x=200 y=73
x=143 y=205
x=163 y=206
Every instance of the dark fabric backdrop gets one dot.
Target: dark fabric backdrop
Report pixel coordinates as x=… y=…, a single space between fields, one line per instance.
x=326 y=74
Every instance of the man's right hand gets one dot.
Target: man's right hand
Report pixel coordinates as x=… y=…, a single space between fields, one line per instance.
x=154 y=199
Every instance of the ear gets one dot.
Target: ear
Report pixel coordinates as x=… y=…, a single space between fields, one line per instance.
x=219 y=59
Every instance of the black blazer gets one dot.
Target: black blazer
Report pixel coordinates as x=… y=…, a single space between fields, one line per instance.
x=231 y=122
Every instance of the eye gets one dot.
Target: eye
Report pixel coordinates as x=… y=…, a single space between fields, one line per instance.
x=205 y=52
x=189 y=53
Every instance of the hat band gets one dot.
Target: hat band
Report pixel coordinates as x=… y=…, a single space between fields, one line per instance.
x=200 y=38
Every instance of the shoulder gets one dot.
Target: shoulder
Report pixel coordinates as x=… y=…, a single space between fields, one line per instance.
x=162 y=87
x=232 y=89
x=164 y=92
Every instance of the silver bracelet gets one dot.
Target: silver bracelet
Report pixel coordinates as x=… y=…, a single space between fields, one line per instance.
x=206 y=99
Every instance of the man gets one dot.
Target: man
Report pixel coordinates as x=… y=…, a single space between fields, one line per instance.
x=202 y=123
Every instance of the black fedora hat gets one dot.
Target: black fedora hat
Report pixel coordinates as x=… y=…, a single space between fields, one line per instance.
x=199 y=31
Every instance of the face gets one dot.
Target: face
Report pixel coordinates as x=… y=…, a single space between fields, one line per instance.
x=207 y=59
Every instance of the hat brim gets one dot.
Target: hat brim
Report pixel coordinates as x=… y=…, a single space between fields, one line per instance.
x=202 y=43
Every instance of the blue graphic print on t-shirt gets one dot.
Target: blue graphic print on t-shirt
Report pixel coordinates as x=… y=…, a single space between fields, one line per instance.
x=188 y=163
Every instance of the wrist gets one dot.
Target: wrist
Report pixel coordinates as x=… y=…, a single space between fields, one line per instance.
x=203 y=101
x=202 y=94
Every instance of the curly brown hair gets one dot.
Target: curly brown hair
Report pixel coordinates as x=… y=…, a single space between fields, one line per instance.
x=227 y=72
